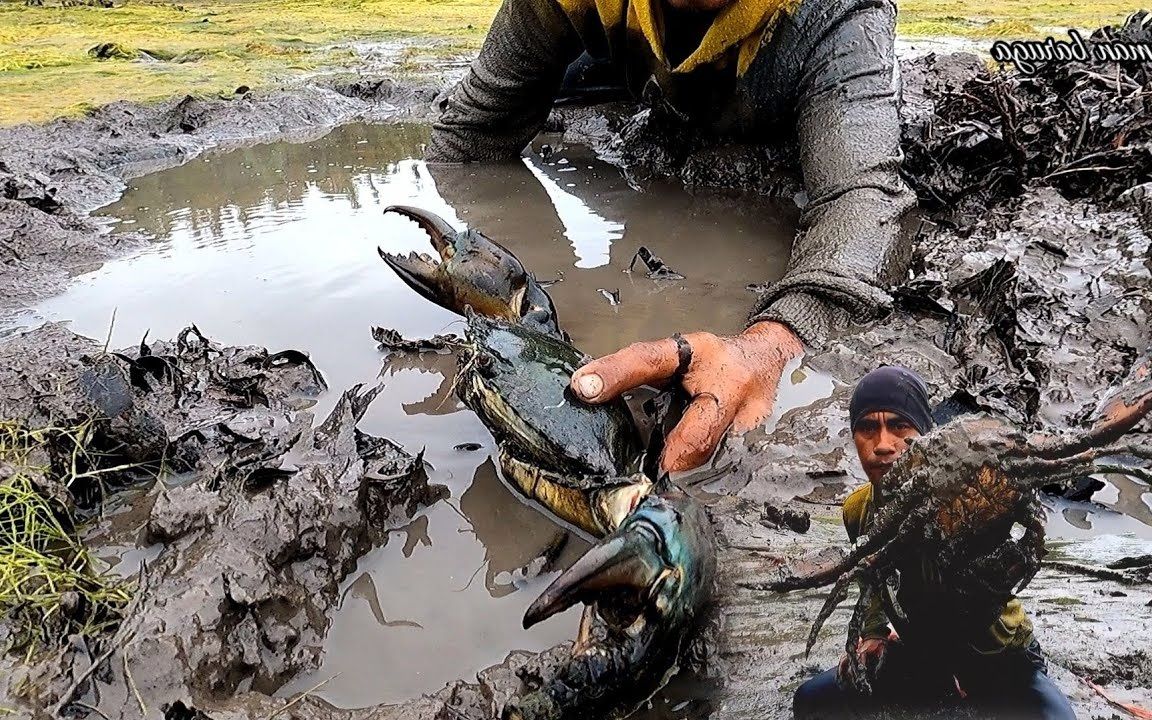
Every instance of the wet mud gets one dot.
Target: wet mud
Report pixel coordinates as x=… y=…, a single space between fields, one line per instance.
x=1029 y=296
x=263 y=510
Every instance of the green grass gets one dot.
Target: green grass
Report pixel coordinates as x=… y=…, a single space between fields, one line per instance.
x=46 y=69
x=213 y=47
x=46 y=578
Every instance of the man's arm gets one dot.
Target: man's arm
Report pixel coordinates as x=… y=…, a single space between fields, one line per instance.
x=501 y=104
x=848 y=126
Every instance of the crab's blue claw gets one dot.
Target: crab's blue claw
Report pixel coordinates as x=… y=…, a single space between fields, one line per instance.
x=650 y=582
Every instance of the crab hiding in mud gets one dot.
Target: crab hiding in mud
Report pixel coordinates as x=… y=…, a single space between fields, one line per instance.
x=956 y=495
x=651 y=575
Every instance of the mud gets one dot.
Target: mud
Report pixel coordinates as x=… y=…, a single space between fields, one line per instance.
x=1028 y=299
x=263 y=514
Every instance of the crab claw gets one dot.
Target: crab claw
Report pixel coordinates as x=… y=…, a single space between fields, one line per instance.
x=649 y=582
x=474 y=271
x=417 y=272
x=629 y=565
x=439 y=231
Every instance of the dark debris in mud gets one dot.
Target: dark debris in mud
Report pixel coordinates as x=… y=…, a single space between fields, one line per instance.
x=799 y=521
x=272 y=511
x=657 y=268
x=1081 y=127
x=391 y=340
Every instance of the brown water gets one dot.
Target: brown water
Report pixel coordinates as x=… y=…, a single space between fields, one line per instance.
x=276 y=245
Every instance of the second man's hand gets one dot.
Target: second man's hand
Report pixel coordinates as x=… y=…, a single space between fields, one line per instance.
x=732 y=382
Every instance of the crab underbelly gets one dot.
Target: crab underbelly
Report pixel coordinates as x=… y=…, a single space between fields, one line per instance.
x=595 y=510
x=987 y=502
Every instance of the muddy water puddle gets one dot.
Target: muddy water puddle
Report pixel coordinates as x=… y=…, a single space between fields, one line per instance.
x=276 y=245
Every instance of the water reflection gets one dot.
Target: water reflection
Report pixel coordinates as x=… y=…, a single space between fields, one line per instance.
x=276 y=245
x=1123 y=507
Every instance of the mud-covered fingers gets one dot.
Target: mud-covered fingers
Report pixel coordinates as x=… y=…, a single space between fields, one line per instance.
x=753 y=412
x=699 y=431
x=641 y=363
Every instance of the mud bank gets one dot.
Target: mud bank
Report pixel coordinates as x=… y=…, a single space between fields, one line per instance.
x=1032 y=312
x=261 y=511
x=52 y=176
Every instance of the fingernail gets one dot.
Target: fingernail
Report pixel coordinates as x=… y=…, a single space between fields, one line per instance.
x=590 y=386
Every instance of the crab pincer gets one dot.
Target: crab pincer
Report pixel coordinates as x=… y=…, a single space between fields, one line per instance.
x=649 y=582
x=472 y=271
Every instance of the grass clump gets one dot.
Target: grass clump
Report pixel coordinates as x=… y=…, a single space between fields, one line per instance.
x=48 y=585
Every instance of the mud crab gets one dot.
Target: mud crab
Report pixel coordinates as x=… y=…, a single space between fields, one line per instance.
x=957 y=493
x=651 y=575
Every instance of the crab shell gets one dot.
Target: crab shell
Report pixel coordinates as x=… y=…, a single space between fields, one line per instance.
x=580 y=461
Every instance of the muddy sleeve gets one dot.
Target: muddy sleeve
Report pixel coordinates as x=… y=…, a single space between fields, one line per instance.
x=849 y=243
x=507 y=94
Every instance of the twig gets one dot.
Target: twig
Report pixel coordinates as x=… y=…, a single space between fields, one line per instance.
x=303 y=695
x=752 y=548
x=1083 y=127
x=12 y=250
x=122 y=637
x=93 y=708
x=108 y=340
x=1134 y=710
x=1094 y=168
x=132 y=684
x=66 y=698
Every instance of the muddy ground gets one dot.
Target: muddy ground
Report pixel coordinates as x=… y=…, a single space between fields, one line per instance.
x=1030 y=303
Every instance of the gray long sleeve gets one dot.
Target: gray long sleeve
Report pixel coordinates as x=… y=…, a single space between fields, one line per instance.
x=496 y=110
x=848 y=127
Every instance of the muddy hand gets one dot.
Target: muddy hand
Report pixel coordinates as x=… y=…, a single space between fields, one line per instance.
x=871 y=654
x=732 y=382
x=649 y=582
x=473 y=271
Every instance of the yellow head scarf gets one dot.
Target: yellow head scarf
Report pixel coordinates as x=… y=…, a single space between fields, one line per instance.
x=745 y=24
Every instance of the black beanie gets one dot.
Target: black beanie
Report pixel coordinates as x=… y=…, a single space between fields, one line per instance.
x=896 y=390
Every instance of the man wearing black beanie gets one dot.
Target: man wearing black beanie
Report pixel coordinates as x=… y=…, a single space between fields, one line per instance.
x=932 y=661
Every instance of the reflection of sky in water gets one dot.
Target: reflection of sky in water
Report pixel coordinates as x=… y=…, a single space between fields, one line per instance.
x=590 y=234
x=276 y=245
x=1122 y=507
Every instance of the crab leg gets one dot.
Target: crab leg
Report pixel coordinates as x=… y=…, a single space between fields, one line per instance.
x=1117 y=416
x=859 y=673
x=888 y=525
x=837 y=595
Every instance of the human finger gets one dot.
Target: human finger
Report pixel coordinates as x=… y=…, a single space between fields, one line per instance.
x=699 y=431
x=752 y=413
x=638 y=364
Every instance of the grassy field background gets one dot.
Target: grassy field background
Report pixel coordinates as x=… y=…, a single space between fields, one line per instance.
x=171 y=48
